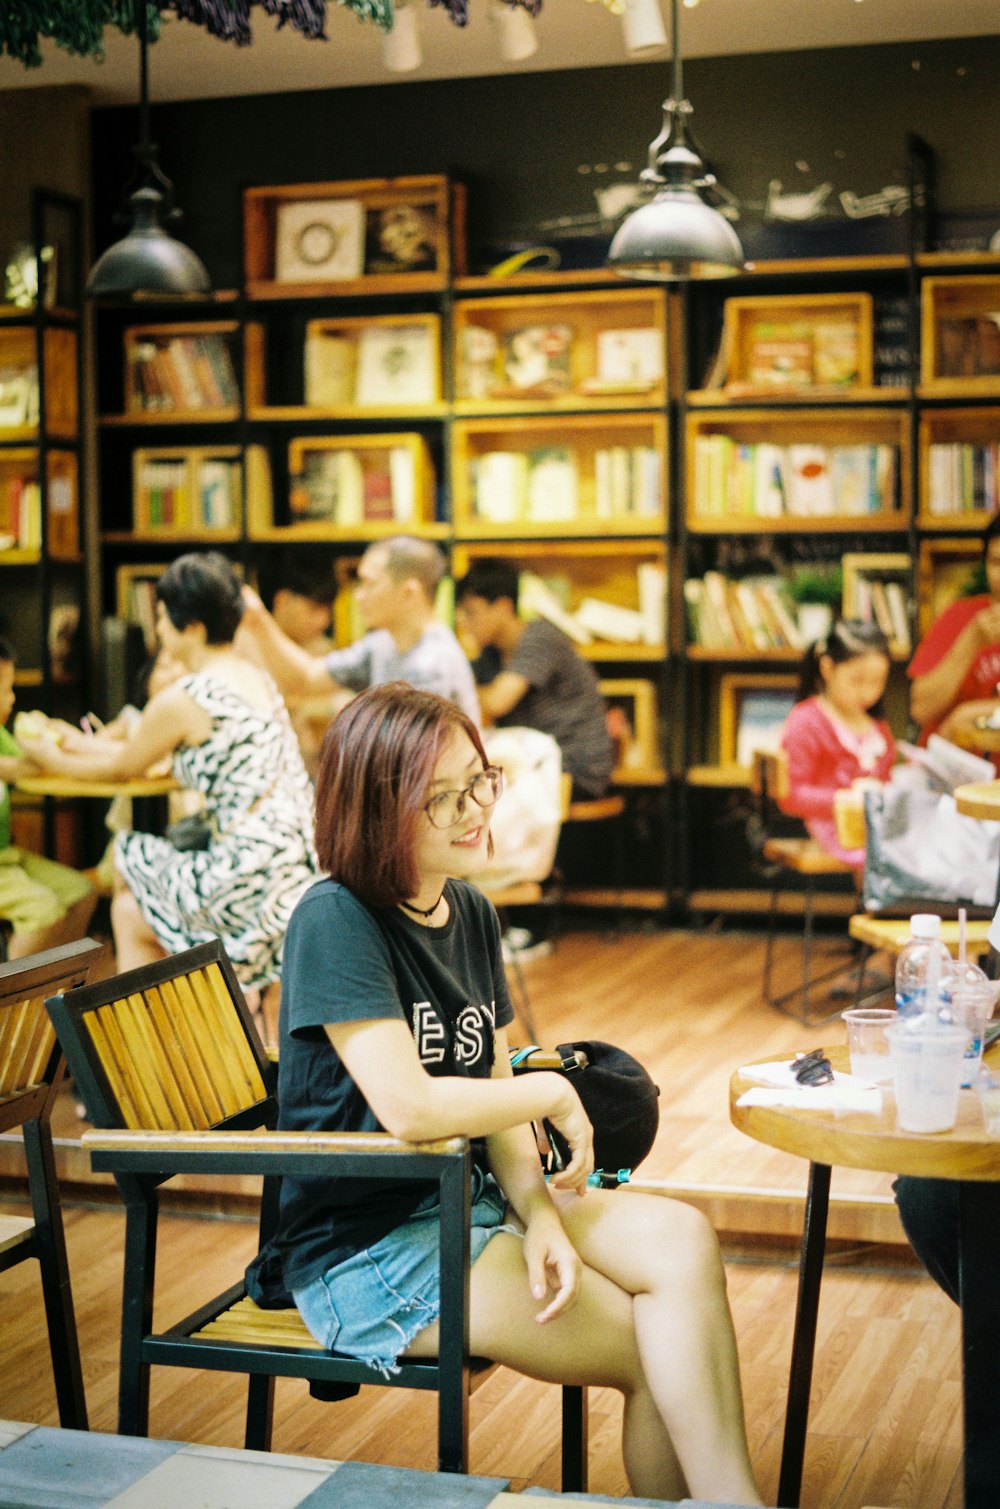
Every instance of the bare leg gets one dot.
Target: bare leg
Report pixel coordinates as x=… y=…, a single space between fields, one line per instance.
x=135 y=941
x=665 y=1254
x=592 y=1343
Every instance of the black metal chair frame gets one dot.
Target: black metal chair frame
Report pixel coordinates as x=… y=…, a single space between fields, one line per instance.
x=22 y=980
x=141 y=1161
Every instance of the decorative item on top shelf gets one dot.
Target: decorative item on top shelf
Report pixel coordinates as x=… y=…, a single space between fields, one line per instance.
x=947 y=570
x=751 y=615
x=638 y=747
x=175 y=370
x=960 y=335
x=575 y=346
x=380 y=232
x=373 y=363
x=877 y=590
x=777 y=345
x=22 y=283
x=187 y=490
x=752 y=711
x=18 y=397
x=361 y=484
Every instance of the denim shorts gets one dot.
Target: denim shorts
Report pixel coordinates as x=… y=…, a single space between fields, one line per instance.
x=373 y=1304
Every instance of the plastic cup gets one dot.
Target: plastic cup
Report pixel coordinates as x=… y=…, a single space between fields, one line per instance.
x=927 y=1059
x=849 y=816
x=988 y=1090
x=972 y=1007
x=867 y=1042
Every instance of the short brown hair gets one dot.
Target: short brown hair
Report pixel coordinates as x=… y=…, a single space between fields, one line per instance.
x=406 y=558
x=375 y=769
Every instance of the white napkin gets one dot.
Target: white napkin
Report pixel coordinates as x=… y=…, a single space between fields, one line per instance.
x=779 y=1087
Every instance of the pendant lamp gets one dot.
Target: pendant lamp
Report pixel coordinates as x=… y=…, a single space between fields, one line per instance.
x=148 y=260
x=675 y=235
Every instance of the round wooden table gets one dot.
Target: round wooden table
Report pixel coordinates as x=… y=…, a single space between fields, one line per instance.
x=860 y=1140
x=979 y=799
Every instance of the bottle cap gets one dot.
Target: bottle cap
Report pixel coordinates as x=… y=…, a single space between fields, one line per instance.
x=925 y=925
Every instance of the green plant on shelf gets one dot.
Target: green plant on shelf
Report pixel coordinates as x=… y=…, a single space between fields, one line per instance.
x=817 y=584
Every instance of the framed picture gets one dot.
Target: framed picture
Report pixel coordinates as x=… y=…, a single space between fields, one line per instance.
x=632 y=706
x=397 y=364
x=319 y=241
x=752 y=712
x=401 y=237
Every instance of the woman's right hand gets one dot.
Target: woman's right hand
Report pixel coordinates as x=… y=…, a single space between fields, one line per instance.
x=571 y=1120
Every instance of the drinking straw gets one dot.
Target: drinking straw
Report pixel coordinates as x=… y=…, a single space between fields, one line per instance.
x=961 y=936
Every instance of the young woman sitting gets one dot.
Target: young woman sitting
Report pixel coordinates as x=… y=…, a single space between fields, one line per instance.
x=393 y=1015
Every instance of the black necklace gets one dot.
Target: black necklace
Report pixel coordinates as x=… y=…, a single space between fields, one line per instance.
x=421 y=911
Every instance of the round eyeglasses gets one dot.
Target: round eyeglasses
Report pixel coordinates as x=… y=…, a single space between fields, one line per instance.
x=448 y=807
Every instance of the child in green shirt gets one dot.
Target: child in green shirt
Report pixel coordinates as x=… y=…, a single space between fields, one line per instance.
x=46 y=903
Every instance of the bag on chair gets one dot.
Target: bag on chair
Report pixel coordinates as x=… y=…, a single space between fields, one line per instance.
x=526 y=820
x=617 y=1094
x=920 y=848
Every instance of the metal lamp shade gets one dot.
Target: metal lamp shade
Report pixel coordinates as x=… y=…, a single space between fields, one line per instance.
x=148 y=259
x=676 y=236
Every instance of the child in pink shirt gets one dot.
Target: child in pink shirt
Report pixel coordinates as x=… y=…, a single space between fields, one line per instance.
x=830 y=737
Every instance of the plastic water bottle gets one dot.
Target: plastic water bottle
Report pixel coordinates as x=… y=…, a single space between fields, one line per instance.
x=923 y=971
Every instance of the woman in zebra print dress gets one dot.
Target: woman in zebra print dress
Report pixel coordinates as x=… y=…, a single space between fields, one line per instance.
x=226 y=730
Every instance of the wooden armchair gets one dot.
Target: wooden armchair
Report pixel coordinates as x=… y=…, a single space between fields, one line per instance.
x=176 y=1080
x=31 y=1071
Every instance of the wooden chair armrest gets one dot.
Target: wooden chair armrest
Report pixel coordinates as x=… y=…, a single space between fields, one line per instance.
x=267 y=1152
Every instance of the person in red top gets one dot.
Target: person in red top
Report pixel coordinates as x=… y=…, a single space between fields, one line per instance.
x=830 y=737
x=956 y=668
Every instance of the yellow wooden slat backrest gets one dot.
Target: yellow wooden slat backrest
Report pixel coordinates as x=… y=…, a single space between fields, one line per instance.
x=176 y=1055
x=26 y=1042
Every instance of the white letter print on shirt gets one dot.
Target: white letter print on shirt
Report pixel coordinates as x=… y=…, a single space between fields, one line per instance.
x=470 y=1034
x=428 y=1030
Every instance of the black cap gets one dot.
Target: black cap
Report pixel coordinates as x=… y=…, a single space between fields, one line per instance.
x=620 y=1099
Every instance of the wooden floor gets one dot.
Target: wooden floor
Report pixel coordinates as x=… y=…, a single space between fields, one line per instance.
x=885 y=1424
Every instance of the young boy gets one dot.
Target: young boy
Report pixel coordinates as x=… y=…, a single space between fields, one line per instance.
x=47 y=903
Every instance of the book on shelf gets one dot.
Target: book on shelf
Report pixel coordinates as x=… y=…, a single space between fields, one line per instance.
x=331 y=487
x=396 y=365
x=536 y=361
x=745 y=615
x=219 y=488
x=883 y=602
x=142 y=609
x=805 y=480
x=552 y=489
x=330 y=369
x=963 y=477
x=182 y=373
x=63 y=524
x=21 y=520
x=628 y=360
x=610 y=621
x=627 y=481
x=403 y=484
x=479 y=359
x=651 y=581
x=500 y=486
x=18 y=397
x=162 y=494
x=780 y=355
x=891 y=356
x=969 y=345
x=536 y=599
x=836 y=353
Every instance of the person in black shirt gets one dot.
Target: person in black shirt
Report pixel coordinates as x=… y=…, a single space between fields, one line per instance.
x=393 y=1016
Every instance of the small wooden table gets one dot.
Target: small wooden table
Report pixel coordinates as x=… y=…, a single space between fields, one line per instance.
x=859 y=1140
x=979 y=799
x=68 y=785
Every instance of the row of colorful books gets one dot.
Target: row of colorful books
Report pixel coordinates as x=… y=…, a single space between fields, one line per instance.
x=597 y=618
x=185 y=372
x=20 y=514
x=753 y=613
x=804 y=480
x=182 y=494
x=884 y=602
x=349 y=489
x=963 y=478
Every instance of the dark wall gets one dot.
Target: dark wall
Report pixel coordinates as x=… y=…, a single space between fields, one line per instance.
x=43 y=142
x=531 y=147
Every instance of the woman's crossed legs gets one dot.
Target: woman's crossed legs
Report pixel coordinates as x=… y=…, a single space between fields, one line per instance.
x=651 y=1318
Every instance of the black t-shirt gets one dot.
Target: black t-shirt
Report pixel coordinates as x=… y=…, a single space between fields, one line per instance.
x=563 y=699
x=344 y=962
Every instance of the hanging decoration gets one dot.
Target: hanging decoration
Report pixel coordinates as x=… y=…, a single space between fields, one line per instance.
x=78 y=25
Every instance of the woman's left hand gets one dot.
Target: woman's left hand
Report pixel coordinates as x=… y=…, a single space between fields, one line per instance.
x=553 y=1265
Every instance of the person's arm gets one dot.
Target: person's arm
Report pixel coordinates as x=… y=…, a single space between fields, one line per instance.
x=169 y=719
x=809 y=796
x=381 y=1057
x=502 y=694
x=297 y=673
x=933 y=693
x=552 y=1261
x=13 y=767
